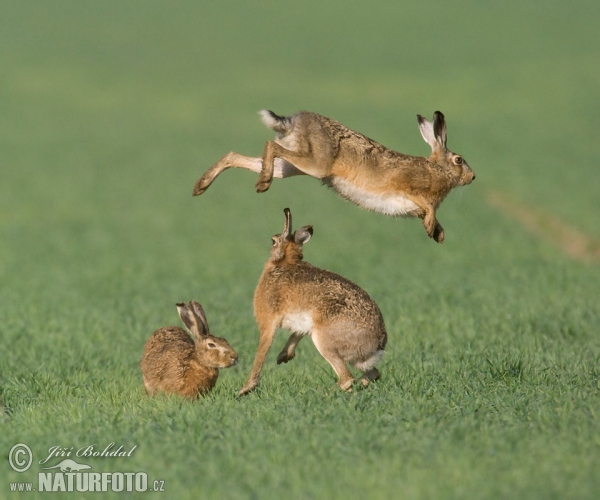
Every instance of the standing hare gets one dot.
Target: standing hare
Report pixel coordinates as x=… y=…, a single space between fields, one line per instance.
x=357 y=168
x=173 y=362
x=344 y=323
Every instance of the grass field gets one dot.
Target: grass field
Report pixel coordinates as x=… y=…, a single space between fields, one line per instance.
x=109 y=112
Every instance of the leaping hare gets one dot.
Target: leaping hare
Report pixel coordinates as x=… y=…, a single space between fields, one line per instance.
x=357 y=168
x=344 y=323
x=172 y=362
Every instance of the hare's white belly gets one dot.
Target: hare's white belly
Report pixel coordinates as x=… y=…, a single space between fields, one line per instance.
x=395 y=204
x=299 y=322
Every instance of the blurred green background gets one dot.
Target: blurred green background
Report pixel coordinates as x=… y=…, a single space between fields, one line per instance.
x=109 y=112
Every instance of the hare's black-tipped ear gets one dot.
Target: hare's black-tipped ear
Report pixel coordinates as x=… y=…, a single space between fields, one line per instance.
x=434 y=133
x=303 y=235
x=287 y=226
x=189 y=319
x=439 y=127
x=200 y=316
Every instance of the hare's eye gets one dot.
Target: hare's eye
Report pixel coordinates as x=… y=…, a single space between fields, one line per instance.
x=211 y=345
x=274 y=240
x=458 y=160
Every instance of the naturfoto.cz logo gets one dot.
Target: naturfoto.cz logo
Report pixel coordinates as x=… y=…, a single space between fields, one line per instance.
x=70 y=475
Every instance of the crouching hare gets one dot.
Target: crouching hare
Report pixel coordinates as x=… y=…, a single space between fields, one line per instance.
x=344 y=323
x=172 y=362
x=357 y=168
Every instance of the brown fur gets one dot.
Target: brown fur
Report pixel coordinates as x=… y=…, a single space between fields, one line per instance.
x=344 y=322
x=356 y=167
x=174 y=363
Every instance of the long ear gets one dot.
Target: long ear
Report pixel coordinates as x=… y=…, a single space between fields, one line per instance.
x=426 y=128
x=287 y=226
x=303 y=235
x=189 y=319
x=201 y=317
x=427 y=131
x=439 y=127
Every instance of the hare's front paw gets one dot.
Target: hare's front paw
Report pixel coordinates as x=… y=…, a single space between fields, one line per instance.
x=284 y=357
x=438 y=233
x=433 y=228
x=249 y=387
x=262 y=185
x=369 y=376
x=429 y=223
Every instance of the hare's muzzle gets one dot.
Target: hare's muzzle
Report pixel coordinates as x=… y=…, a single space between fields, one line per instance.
x=467 y=176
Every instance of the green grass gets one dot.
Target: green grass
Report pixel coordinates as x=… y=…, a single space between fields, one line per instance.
x=109 y=111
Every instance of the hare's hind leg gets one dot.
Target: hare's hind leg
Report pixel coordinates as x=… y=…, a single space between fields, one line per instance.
x=230 y=160
x=331 y=355
x=289 y=350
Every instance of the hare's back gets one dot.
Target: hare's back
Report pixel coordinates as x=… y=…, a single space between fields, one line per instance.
x=166 y=360
x=168 y=343
x=335 y=296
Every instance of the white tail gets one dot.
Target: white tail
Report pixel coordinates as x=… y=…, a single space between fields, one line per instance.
x=281 y=124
